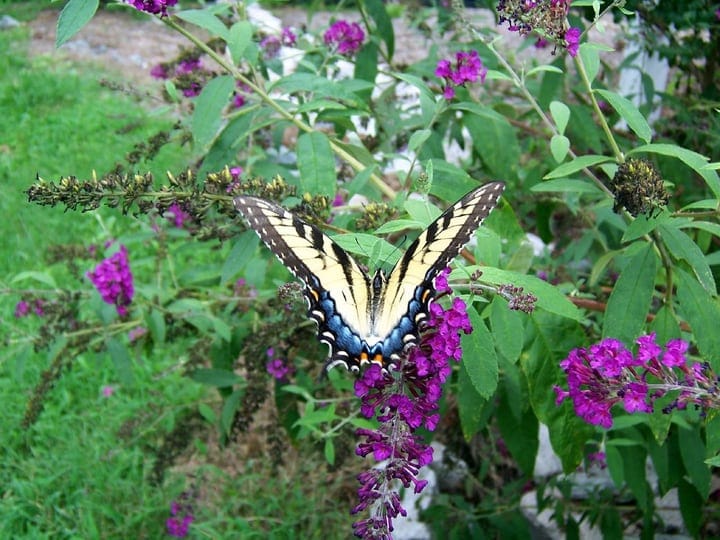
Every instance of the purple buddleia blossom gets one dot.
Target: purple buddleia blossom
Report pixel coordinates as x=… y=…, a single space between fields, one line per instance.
x=181 y=516
x=607 y=373
x=346 y=38
x=403 y=402
x=22 y=309
x=155 y=7
x=177 y=216
x=288 y=37
x=270 y=46
x=467 y=68
x=278 y=367
x=114 y=281
x=572 y=41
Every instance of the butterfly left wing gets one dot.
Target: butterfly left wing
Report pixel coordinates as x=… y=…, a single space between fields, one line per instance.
x=409 y=288
x=336 y=288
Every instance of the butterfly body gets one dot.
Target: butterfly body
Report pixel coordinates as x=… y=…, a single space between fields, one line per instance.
x=362 y=318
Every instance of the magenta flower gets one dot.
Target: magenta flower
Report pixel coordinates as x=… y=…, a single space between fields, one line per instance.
x=192 y=90
x=114 y=281
x=181 y=516
x=155 y=7
x=404 y=402
x=608 y=373
x=137 y=333
x=467 y=68
x=177 y=216
x=188 y=66
x=572 y=41
x=271 y=46
x=108 y=391
x=22 y=308
x=278 y=367
x=288 y=37
x=159 y=71
x=345 y=37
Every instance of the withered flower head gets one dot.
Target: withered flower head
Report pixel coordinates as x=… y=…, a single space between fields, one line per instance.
x=639 y=188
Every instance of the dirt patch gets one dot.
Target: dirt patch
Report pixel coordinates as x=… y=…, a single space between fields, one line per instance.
x=119 y=42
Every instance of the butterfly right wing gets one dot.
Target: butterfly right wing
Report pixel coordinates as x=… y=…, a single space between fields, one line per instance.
x=336 y=288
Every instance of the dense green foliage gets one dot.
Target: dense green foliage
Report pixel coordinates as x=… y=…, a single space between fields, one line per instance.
x=112 y=415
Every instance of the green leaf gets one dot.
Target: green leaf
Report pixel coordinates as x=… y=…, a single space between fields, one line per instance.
x=422 y=211
x=418 y=138
x=533 y=71
x=399 y=225
x=682 y=247
x=494 y=139
x=591 y=59
x=376 y=9
x=642 y=225
x=479 y=357
x=561 y=115
x=209 y=105
x=520 y=434
x=220 y=378
x=239 y=37
x=702 y=312
x=507 y=329
x=549 y=298
x=629 y=302
x=207 y=20
x=549 y=339
x=75 y=15
x=577 y=164
x=692 y=450
x=40 y=277
x=366 y=65
x=243 y=250
x=600 y=265
x=695 y=161
x=121 y=360
x=691 y=507
x=566 y=185
x=230 y=406
x=559 y=146
x=329 y=451
x=155 y=322
x=316 y=163
x=471 y=405
x=628 y=112
x=364 y=244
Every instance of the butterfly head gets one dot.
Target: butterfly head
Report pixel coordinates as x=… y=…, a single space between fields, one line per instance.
x=379 y=280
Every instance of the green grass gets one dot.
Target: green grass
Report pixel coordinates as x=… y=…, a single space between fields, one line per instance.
x=82 y=470
x=58 y=120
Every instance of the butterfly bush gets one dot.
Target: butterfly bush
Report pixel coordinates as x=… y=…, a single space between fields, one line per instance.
x=608 y=373
x=404 y=401
x=114 y=281
x=467 y=68
x=345 y=37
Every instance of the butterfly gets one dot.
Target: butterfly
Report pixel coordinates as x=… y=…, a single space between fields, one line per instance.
x=365 y=318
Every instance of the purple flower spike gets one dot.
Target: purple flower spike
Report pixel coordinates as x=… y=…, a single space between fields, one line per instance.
x=114 y=281
x=403 y=402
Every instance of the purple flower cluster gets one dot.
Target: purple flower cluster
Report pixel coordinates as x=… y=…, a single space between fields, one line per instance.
x=517 y=299
x=23 y=308
x=288 y=37
x=156 y=7
x=608 y=373
x=547 y=17
x=345 y=37
x=177 y=216
x=572 y=41
x=404 y=402
x=181 y=516
x=278 y=367
x=467 y=68
x=271 y=46
x=114 y=281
